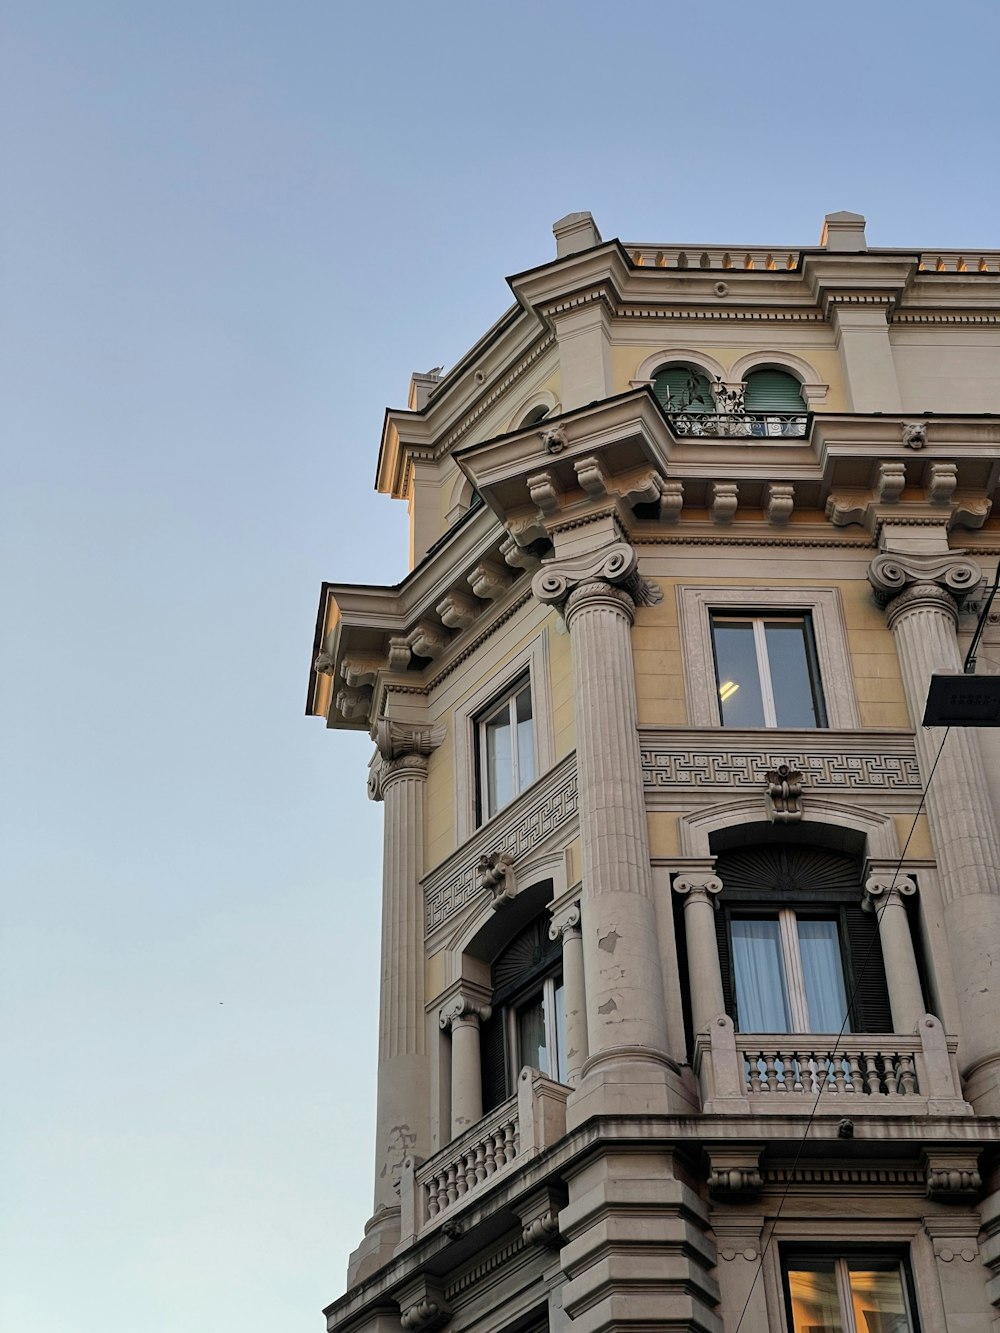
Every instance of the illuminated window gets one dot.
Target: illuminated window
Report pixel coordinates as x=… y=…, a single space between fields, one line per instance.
x=838 y=1295
x=766 y=671
x=506 y=741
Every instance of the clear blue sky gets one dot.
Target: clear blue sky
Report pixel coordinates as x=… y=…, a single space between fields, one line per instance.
x=231 y=229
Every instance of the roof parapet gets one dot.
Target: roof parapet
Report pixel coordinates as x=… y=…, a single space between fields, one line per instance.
x=845 y=232
x=576 y=231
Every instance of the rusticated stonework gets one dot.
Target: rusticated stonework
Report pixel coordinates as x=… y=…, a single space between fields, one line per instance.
x=529 y=821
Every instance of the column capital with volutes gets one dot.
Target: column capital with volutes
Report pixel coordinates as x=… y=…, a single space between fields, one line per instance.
x=880 y=890
x=940 y=581
x=696 y=887
x=608 y=575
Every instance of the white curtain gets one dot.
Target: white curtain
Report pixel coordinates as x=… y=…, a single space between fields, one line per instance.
x=822 y=969
x=761 y=999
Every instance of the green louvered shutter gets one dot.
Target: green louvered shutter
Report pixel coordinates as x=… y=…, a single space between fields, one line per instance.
x=671 y=386
x=773 y=391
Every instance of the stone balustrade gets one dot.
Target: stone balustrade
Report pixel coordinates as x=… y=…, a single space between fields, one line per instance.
x=878 y=1073
x=512 y=1133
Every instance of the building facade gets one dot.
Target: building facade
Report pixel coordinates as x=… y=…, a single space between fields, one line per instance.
x=691 y=931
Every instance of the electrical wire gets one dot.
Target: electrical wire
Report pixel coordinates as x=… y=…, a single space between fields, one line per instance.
x=843 y=1028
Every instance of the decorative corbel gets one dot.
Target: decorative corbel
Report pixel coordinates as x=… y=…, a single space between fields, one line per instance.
x=527 y=528
x=538 y=1213
x=891 y=482
x=400 y=653
x=914 y=434
x=489 y=581
x=942 y=479
x=428 y=639
x=325 y=663
x=591 y=475
x=784 y=795
x=496 y=874
x=779 y=502
x=357 y=671
x=843 y=510
x=644 y=489
x=724 y=496
x=353 y=705
x=516 y=556
x=671 y=501
x=545 y=491
x=422 y=1305
x=396 y=738
x=458 y=610
x=971 y=513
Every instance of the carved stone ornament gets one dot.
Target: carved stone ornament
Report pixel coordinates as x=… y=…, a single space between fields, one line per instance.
x=461 y=1009
x=353 y=705
x=880 y=888
x=496 y=874
x=489 y=581
x=458 y=610
x=517 y=556
x=724 y=496
x=558 y=578
x=357 y=671
x=784 y=795
x=914 y=434
x=780 y=502
x=422 y=1306
x=428 y=639
x=545 y=491
x=554 y=439
x=566 y=921
x=396 y=738
x=542 y=1230
x=671 y=501
x=941 y=482
x=399 y=653
x=890 y=575
x=952 y=1181
x=591 y=475
x=734 y=1173
x=891 y=482
x=694 y=886
x=324 y=664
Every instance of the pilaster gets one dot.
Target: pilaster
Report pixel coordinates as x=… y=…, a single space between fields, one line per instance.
x=566 y=923
x=885 y=895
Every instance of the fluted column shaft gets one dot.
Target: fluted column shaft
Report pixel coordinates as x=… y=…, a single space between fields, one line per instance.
x=624 y=988
x=704 y=970
x=567 y=924
x=403 y=1098
x=924 y=621
x=906 y=1000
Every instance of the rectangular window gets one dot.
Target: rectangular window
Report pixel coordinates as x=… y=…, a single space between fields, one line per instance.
x=838 y=1295
x=766 y=671
x=506 y=744
x=788 y=972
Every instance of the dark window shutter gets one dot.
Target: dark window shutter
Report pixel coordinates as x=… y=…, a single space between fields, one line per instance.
x=493 y=1058
x=680 y=389
x=726 y=962
x=870 y=1011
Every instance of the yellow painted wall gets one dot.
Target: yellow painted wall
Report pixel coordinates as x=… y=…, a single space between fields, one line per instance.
x=664 y=836
x=659 y=677
x=626 y=360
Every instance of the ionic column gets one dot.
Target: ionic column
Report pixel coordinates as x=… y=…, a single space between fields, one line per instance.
x=625 y=1011
x=704 y=970
x=566 y=922
x=920 y=593
x=462 y=1018
x=886 y=896
x=399 y=775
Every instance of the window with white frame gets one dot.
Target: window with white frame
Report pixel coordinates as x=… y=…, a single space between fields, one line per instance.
x=835 y=1294
x=506 y=748
x=766 y=670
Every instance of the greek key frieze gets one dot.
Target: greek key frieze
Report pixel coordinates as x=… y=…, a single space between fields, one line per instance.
x=687 y=769
x=457 y=882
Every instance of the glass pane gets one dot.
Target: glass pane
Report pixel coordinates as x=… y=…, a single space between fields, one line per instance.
x=879 y=1302
x=813 y=1292
x=790 y=678
x=525 y=739
x=738 y=679
x=531 y=1048
x=499 y=761
x=822 y=967
x=560 y=1009
x=761 y=998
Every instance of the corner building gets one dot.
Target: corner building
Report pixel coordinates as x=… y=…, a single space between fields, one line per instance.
x=691 y=527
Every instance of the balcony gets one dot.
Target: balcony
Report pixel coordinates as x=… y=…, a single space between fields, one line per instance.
x=740 y=425
x=892 y=1074
x=511 y=1135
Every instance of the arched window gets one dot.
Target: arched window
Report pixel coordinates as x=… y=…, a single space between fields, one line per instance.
x=796 y=947
x=528 y=1023
x=534 y=416
x=681 y=388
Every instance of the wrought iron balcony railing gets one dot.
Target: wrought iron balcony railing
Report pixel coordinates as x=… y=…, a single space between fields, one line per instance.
x=740 y=425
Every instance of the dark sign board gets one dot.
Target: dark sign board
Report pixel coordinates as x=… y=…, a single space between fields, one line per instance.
x=963 y=701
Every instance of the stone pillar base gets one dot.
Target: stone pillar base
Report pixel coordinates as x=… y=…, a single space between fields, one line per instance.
x=382 y=1232
x=981 y=1086
x=631 y=1082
